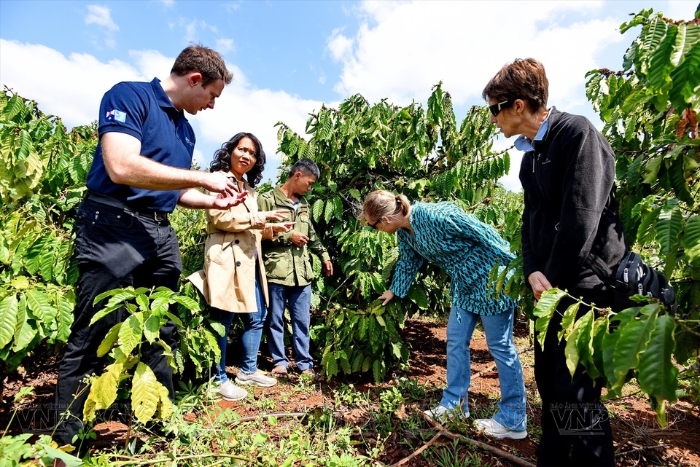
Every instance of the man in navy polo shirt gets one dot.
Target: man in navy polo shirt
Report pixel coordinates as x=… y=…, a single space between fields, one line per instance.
x=140 y=172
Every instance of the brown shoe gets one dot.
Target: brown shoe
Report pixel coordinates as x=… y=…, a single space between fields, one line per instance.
x=280 y=372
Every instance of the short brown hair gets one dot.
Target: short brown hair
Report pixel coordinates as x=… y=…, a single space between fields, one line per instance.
x=382 y=203
x=207 y=61
x=523 y=79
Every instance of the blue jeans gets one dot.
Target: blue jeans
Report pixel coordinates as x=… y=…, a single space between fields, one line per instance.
x=298 y=300
x=499 y=338
x=250 y=340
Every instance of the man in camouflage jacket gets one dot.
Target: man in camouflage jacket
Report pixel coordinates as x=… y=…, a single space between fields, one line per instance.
x=288 y=267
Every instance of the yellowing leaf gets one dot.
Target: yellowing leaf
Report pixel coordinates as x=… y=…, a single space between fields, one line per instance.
x=145 y=393
x=166 y=405
x=109 y=340
x=130 y=334
x=103 y=390
x=380 y=320
x=19 y=282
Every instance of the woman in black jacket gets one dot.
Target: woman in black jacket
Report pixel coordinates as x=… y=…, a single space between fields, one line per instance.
x=571 y=236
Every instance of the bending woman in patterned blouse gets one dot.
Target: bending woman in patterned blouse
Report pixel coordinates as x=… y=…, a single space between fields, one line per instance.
x=466 y=249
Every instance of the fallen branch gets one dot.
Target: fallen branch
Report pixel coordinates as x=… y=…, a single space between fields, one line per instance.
x=276 y=415
x=266 y=415
x=454 y=436
x=643 y=448
x=421 y=449
x=483 y=372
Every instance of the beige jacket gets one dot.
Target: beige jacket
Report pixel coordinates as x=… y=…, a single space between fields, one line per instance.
x=228 y=278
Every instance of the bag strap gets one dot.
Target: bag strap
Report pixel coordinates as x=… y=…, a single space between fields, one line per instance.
x=624 y=264
x=632 y=272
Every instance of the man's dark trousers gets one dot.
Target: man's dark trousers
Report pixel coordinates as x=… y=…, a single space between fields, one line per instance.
x=114 y=248
x=569 y=404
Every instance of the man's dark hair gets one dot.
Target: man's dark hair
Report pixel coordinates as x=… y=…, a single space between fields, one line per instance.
x=306 y=167
x=207 y=61
x=222 y=158
x=523 y=79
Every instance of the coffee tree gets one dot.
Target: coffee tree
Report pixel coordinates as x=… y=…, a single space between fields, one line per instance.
x=420 y=152
x=42 y=173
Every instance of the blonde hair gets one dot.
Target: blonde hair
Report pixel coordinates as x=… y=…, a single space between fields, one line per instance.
x=382 y=203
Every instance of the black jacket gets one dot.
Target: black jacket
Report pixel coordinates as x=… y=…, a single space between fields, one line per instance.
x=571 y=225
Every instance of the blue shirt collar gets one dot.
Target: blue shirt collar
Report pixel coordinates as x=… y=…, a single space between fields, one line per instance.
x=162 y=98
x=523 y=143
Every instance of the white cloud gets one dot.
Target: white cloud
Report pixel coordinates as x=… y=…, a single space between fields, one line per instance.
x=340 y=46
x=402 y=49
x=167 y=3
x=241 y=107
x=224 y=45
x=680 y=10
x=102 y=16
x=151 y=63
x=77 y=82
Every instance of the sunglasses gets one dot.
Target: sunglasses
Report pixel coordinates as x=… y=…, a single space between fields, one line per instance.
x=496 y=108
x=374 y=226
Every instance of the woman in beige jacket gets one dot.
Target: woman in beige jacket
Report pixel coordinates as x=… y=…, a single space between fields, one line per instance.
x=233 y=278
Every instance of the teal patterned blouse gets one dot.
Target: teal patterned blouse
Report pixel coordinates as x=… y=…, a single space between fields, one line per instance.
x=459 y=243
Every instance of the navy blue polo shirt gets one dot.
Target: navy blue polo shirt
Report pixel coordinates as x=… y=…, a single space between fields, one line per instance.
x=144 y=111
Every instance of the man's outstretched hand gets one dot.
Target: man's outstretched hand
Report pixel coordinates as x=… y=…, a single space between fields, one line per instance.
x=226 y=200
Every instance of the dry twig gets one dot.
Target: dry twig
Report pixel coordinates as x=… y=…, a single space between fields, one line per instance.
x=442 y=431
x=267 y=415
x=418 y=451
x=642 y=448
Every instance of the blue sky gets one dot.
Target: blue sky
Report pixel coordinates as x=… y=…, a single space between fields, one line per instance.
x=290 y=57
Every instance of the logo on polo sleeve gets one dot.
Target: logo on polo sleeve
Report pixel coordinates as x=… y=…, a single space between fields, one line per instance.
x=116 y=115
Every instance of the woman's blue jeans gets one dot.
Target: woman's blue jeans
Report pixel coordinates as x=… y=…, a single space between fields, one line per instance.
x=250 y=340
x=499 y=338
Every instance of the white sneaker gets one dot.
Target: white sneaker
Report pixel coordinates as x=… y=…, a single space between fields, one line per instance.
x=257 y=378
x=492 y=428
x=231 y=392
x=443 y=413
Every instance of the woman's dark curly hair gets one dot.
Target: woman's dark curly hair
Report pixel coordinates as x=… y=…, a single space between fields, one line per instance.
x=222 y=158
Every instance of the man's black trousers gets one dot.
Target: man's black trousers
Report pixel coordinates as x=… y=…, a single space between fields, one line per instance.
x=114 y=248
x=575 y=424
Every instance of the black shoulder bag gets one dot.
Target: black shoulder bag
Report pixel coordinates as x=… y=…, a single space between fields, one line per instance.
x=633 y=277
